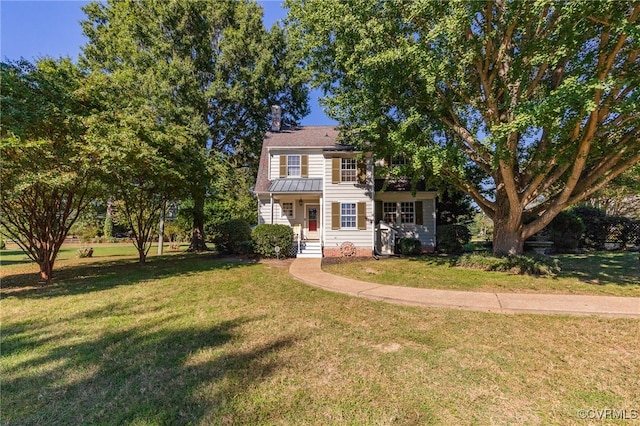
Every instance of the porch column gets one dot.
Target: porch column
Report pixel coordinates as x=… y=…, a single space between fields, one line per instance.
x=271 y=204
x=321 y=219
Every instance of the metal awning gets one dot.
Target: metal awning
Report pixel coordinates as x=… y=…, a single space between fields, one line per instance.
x=295 y=185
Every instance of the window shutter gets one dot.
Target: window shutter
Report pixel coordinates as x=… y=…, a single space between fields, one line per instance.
x=335 y=170
x=283 y=166
x=362 y=215
x=304 y=169
x=362 y=172
x=419 y=213
x=378 y=212
x=335 y=215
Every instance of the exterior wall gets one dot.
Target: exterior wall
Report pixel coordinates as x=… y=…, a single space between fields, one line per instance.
x=426 y=232
x=264 y=210
x=351 y=192
x=316 y=161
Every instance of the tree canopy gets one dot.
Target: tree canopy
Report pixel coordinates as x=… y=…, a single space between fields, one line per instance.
x=224 y=69
x=48 y=168
x=528 y=107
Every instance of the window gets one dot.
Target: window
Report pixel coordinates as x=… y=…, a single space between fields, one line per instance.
x=293 y=166
x=407 y=211
x=399 y=160
x=287 y=209
x=348 y=215
x=389 y=212
x=348 y=170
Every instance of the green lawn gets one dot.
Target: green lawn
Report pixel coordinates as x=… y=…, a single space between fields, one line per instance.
x=191 y=339
x=602 y=273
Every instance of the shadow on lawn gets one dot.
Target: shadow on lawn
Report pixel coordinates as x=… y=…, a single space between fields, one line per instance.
x=620 y=268
x=101 y=275
x=146 y=375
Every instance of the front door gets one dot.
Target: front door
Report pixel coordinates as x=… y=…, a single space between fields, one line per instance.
x=313 y=215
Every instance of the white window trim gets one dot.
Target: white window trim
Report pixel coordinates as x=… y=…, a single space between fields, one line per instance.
x=354 y=170
x=395 y=211
x=355 y=216
x=413 y=212
x=293 y=211
x=399 y=212
x=299 y=165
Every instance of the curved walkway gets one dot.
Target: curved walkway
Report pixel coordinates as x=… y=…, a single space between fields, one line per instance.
x=310 y=272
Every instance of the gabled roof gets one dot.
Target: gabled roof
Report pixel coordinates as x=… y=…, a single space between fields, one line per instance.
x=324 y=137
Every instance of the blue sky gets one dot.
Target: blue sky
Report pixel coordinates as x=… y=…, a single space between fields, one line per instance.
x=33 y=29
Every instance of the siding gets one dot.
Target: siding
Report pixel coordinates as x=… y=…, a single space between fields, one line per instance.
x=264 y=213
x=316 y=162
x=347 y=193
x=426 y=232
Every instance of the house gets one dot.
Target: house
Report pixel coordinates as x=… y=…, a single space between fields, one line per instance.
x=328 y=194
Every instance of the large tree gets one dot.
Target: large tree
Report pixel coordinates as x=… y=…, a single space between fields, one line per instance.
x=225 y=67
x=536 y=100
x=145 y=155
x=48 y=168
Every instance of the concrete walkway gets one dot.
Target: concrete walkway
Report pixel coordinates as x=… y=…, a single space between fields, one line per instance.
x=310 y=272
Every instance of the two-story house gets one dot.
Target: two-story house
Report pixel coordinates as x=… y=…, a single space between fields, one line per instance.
x=328 y=194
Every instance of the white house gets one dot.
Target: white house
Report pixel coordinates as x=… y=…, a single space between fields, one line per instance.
x=328 y=194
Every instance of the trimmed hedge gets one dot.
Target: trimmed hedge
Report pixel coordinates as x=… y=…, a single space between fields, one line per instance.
x=266 y=237
x=409 y=246
x=522 y=265
x=233 y=236
x=452 y=238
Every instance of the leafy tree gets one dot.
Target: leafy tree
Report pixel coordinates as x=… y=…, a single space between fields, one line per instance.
x=224 y=67
x=145 y=154
x=621 y=197
x=538 y=99
x=48 y=167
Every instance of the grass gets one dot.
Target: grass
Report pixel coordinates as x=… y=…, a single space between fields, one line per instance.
x=191 y=339
x=602 y=273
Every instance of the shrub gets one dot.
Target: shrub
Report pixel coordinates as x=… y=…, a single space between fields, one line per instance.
x=3 y=244
x=452 y=238
x=565 y=231
x=596 y=229
x=409 y=246
x=523 y=265
x=266 y=237
x=232 y=236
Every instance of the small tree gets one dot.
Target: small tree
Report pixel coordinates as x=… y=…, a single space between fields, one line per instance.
x=47 y=167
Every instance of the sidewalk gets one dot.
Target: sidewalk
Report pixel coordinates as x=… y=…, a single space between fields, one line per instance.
x=309 y=271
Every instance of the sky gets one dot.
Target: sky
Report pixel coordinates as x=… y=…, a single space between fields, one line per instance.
x=34 y=29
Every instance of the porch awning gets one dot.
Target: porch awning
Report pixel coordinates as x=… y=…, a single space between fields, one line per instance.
x=295 y=185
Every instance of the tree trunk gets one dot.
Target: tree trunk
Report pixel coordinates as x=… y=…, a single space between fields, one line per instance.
x=508 y=227
x=46 y=268
x=197 y=237
x=506 y=241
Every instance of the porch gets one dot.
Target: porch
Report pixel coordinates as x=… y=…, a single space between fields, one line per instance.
x=298 y=203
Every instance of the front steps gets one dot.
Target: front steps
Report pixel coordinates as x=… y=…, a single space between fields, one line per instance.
x=310 y=249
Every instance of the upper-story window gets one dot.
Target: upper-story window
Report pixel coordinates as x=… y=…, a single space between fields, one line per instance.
x=398 y=160
x=293 y=166
x=348 y=170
